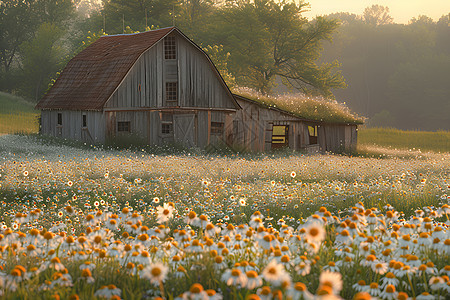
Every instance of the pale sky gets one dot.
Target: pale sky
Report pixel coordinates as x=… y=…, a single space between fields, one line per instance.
x=401 y=10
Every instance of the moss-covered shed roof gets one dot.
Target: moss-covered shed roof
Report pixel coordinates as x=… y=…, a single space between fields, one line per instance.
x=308 y=108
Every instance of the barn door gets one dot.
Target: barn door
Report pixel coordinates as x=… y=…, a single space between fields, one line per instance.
x=184 y=126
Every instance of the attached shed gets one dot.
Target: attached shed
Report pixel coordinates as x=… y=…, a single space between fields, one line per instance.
x=259 y=127
x=159 y=87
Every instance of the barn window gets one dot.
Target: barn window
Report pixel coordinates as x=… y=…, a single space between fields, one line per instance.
x=123 y=126
x=84 y=121
x=59 y=119
x=170 y=50
x=280 y=136
x=167 y=123
x=171 y=94
x=217 y=128
x=312 y=130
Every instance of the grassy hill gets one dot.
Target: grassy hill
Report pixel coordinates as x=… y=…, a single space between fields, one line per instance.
x=17 y=115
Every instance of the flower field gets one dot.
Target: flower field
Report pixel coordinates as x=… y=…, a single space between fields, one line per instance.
x=103 y=224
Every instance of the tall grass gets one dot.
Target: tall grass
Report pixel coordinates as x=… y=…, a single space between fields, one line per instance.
x=19 y=123
x=313 y=108
x=405 y=139
x=17 y=115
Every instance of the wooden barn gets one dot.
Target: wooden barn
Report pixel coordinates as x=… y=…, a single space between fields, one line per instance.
x=160 y=87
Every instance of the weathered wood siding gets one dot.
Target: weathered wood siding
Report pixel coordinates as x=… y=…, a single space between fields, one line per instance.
x=192 y=128
x=252 y=127
x=141 y=94
x=143 y=85
x=333 y=138
x=198 y=83
x=72 y=122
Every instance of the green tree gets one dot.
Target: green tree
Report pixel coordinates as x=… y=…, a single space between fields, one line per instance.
x=16 y=26
x=396 y=72
x=193 y=15
x=269 y=39
x=221 y=59
x=443 y=34
x=377 y=15
x=54 y=11
x=85 y=8
x=19 y=21
x=42 y=58
x=137 y=14
x=419 y=89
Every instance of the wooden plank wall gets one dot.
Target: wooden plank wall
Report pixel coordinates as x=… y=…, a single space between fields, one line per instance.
x=334 y=138
x=138 y=122
x=321 y=136
x=202 y=131
x=46 y=123
x=250 y=127
x=254 y=126
x=144 y=124
x=304 y=135
x=143 y=85
x=72 y=125
x=254 y=129
x=155 y=135
x=354 y=137
x=198 y=84
x=214 y=139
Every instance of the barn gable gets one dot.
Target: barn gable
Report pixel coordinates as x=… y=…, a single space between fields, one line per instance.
x=97 y=73
x=188 y=74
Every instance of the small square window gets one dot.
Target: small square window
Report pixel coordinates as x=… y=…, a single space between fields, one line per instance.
x=280 y=135
x=170 y=50
x=166 y=123
x=59 y=119
x=123 y=126
x=167 y=128
x=217 y=128
x=171 y=93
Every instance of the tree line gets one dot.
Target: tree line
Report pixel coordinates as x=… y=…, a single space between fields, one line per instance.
x=268 y=45
x=398 y=75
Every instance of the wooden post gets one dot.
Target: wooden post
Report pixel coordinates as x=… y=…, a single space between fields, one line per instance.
x=209 y=127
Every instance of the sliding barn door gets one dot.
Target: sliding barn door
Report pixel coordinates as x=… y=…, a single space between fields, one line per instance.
x=184 y=129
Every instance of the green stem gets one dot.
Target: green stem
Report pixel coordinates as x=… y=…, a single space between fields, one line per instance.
x=412 y=287
x=425 y=281
x=161 y=289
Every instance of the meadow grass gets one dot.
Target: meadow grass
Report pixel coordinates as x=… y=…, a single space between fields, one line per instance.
x=99 y=209
x=17 y=115
x=438 y=141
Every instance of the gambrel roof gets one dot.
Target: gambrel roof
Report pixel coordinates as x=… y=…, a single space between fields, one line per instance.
x=92 y=76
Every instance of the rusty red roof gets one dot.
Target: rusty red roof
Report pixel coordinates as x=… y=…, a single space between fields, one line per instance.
x=92 y=76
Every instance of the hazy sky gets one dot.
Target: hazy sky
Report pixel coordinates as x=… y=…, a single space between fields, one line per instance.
x=401 y=10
